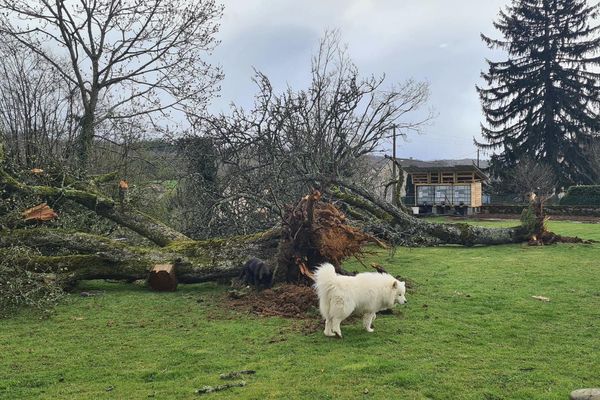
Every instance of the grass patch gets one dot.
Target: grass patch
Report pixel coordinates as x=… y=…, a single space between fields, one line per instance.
x=471 y=331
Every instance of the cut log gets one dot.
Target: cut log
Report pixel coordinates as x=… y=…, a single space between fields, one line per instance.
x=162 y=278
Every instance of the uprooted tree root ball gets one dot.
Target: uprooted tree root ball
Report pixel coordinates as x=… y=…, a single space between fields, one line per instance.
x=534 y=220
x=315 y=232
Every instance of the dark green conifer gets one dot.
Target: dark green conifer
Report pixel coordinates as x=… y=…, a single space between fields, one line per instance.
x=543 y=101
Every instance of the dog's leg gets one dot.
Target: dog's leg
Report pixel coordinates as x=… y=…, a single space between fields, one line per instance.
x=327 y=330
x=368 y=320
x=335 y=327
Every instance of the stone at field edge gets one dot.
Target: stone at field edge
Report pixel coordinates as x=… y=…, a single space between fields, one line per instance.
x=585 y=394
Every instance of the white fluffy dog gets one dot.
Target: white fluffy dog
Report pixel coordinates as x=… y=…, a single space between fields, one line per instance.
x=363 y=294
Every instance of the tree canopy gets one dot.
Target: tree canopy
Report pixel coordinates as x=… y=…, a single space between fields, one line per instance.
x=542 y=102
x=124 y=58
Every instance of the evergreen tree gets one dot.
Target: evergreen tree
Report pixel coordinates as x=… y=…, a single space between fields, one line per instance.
x=542 y=103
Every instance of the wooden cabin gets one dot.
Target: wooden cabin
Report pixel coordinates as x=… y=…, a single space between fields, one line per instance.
x=447 y=189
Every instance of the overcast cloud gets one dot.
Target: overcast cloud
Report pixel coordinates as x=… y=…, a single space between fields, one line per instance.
x=433 y=40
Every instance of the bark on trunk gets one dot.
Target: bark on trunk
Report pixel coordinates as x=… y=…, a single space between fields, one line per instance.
x=85 y=139
x=102 y=258
x=463 y=234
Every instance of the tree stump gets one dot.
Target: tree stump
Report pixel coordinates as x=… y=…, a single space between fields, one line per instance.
x=162 y=278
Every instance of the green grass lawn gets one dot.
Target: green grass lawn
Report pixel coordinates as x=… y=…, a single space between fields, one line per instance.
x=471 y=330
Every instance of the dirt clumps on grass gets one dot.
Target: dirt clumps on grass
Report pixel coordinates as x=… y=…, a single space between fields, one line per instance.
x=287 y=300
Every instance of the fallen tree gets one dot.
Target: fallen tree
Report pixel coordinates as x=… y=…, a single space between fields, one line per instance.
x=391 y=220
x=86 y=256
x=312 y=231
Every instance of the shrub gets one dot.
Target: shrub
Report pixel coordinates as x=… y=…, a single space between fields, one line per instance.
x=20 y=288
x=582 y=196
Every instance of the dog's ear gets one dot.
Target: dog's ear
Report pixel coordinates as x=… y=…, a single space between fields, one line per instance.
x=395 y=285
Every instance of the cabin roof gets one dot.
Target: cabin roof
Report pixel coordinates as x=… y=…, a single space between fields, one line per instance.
x=452 y=168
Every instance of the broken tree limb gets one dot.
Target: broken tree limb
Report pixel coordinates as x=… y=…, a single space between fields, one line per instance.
x=218 y=388
x=463 y=234
x=146 y=226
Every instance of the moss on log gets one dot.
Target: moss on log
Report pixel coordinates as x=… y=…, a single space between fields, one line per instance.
x=154 y=230
x=103 y=258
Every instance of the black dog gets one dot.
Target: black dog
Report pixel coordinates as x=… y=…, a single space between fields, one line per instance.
x=257 y=273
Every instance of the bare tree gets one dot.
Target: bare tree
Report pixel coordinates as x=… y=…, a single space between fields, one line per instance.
x=288 y=142
x=126 y=57
x=37 y=109
x=530 y=176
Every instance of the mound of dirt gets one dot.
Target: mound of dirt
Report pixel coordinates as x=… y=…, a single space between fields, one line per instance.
x=290 y=301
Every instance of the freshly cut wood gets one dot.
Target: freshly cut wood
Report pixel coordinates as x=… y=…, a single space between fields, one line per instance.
x=162 y=278
x=41 y=212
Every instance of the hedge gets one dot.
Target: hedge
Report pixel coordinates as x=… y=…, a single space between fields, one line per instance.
x=582 y=196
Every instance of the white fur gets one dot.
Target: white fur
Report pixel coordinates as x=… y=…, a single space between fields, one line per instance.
x=363 y=294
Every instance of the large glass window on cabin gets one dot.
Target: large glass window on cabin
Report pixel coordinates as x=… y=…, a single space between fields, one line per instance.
x=462 y=195
x=443 y=194
x=425 y=195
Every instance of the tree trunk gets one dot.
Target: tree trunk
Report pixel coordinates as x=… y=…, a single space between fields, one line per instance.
x=85 y=139
x=463 y=234
x=102 y=258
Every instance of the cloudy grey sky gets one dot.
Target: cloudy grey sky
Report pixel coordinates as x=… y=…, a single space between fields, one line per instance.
x=433 y=40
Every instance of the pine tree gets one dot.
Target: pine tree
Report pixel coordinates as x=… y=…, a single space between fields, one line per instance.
x=542 y=103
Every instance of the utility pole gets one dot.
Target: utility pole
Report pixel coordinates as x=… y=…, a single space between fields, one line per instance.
x=394 y=173
x=478 y=157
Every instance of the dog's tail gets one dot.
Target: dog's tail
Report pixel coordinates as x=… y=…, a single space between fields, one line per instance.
x=325 y=272
x=325 y=282
x=324 y=277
